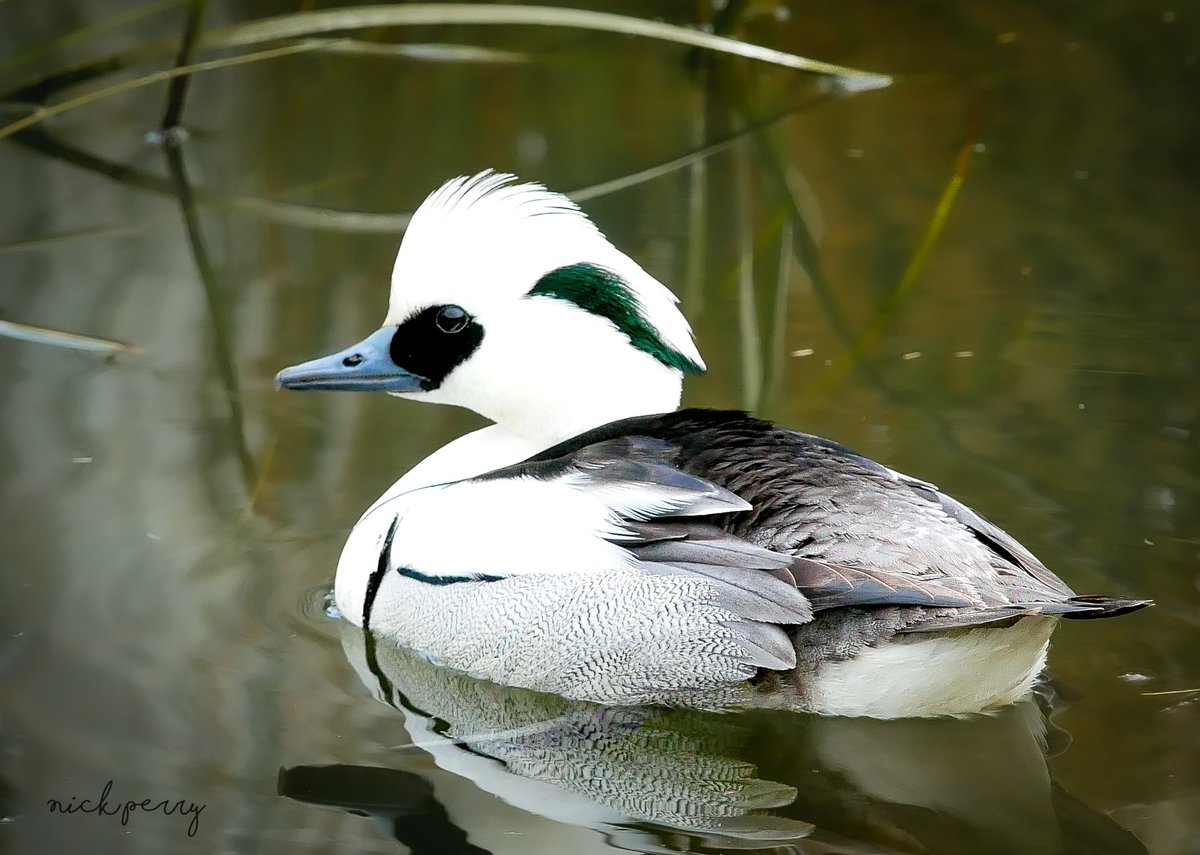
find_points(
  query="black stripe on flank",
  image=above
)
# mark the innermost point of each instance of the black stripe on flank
(445, 580)
(376, 579)
(393, 696)
(385, 685)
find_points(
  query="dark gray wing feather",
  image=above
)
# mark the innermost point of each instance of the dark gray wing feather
(764, 645)
(642, 465)
(990, 535)
(698, 547)
(830, 586)
(854, 534)
(694, 542)
(739, 571)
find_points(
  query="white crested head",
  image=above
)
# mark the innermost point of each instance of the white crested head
(563, 331)
(508, 301)
(487, 239)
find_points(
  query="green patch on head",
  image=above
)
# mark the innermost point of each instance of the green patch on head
(602, 292)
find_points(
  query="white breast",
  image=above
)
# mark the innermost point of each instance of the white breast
(477, 452)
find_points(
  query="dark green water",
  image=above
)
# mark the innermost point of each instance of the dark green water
(169, 523)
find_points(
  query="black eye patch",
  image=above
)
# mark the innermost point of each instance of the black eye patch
(434, 342)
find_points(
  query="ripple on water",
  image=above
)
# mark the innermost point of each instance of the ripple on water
(288, 596)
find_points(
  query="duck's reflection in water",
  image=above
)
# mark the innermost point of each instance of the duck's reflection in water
(653, 780)
(402, 802)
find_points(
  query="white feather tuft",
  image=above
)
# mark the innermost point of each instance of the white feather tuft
(501, 192)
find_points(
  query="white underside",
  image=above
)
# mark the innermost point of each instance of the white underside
(953, 674)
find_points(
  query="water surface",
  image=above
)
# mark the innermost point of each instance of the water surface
(170, 523)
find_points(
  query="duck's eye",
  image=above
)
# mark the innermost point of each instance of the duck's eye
(451, 319)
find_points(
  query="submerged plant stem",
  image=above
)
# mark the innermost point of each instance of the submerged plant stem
(776, 348)
(177, 91)
(222, 341)
(730, 16)
(748, 330)
(912, 271)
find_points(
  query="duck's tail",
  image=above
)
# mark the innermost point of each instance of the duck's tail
(1075, 608)
(1088, 607)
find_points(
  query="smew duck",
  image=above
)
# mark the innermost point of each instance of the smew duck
(596, 543)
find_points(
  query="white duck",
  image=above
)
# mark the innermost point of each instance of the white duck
(595, 544)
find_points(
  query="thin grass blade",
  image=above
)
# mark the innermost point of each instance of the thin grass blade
(53, 241)
(87, 33)
(418, 14)
(44, 113)
(421, 52)
(57, 338)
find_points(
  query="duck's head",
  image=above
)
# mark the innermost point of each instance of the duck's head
(507, 300)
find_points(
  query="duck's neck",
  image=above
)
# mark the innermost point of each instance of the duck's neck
(521, 431)
(548, 421)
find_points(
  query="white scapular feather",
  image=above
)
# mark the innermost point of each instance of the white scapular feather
(523, 525)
